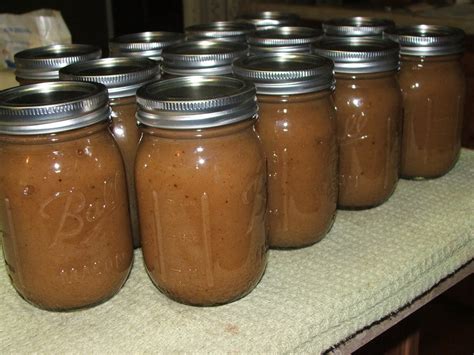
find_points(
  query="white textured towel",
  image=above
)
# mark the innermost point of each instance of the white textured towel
(371, 263)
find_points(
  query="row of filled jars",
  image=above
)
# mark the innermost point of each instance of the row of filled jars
(215, 185)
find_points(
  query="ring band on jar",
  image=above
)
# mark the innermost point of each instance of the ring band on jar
(268, 19)
(232, 31)
(36, 65)
(356, 27)
(63, 198)
(200, 175)
(297, 126)
(201, 58)
(433, 89)
(143, 44)
(283, 40)
(122, 77)
(369, 116)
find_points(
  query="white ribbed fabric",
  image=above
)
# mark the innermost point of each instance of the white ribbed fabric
(371, 263)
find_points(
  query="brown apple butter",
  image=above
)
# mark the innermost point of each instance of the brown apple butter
(297, 125)
(63, 205)
(369, 108)
(41, 64)
(433, 89)
(200, 176)
(122, 77)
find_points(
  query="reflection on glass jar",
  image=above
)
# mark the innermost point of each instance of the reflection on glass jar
(298, 135)
(369, 132)
(433, 88)
(433, 95)
(201, 189)
(122, 77)
(297, 125)
(369, 107)
(64, 211)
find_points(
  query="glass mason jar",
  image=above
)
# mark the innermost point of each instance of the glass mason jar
(369, 115)
(201, 58)
(37, 65)
(122, 77)
(433, 88)
(268, 19)
(63, 211)
(356, 27)
(143, 44)
(231, 31)
(200, 175)
(297, 125)
(283, 40)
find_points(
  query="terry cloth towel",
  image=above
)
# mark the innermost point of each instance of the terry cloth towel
(371, 264)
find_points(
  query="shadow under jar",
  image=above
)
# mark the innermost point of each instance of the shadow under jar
(283, 40)
(297, 125)
(369, 114)
(201, 58)
(37, 65)
(63, 210)
(200, 175)
(122, 77)
(433, 89)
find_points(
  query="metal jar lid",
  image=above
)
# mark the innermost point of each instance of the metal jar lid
(270, 19)
(43, 63)
(202, 57)
(427, 40)
(233, 31)
(358, 55)
(196, 102)
(286, 74)
(284, 39)
(122, 76)
(144, 44)
(356, 26)
(52, 107)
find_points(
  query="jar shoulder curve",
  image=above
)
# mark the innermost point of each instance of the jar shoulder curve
(193, 150)
(62, 154)
(366, 90)
(284, 112)
(430, 75)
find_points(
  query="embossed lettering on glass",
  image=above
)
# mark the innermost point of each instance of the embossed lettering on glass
(63, 200)
(368, 107)
(200, 175)
(297, 125)
(122, 77)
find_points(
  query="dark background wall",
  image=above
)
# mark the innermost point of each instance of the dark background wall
(90, 21)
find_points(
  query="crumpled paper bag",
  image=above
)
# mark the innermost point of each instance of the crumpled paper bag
(33, 29)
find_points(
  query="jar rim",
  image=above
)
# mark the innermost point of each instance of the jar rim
(196, 102)
(286, 73)
(52, 107)
(43, 63)
(121, 75)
